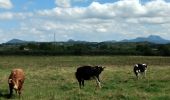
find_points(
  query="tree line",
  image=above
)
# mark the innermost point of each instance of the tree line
(86, 48)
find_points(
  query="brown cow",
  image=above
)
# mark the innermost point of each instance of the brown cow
(16, 80)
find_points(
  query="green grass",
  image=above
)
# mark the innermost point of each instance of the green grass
(52, 78)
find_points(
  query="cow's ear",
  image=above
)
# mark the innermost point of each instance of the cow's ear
(10, 81)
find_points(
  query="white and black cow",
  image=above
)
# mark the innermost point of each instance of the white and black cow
(87, 73)
(140, 69)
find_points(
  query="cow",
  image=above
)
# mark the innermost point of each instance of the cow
(15, 81)
(87, 73)
(140, 69)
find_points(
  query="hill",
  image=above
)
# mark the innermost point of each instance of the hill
(152, 39)
(15, 41)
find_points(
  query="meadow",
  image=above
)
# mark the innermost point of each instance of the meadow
(52, 78)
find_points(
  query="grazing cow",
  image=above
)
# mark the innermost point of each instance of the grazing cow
(15, 81)
(140, 68)
(87, 73)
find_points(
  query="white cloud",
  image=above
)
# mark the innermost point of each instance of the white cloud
(14, 16)
(6, 16)
(127, 8)
(158, 8)
(63, 3)
(128, 18)
(123, 9)
(5, 4)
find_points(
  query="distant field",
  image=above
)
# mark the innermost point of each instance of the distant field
(52, 78)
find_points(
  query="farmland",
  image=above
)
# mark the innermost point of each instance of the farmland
(52, 78)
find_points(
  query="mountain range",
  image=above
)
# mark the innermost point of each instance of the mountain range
(152, 39)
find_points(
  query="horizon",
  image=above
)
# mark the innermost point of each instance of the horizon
(83, 20)
(123, 40)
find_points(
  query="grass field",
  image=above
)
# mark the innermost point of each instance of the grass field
(52, 78)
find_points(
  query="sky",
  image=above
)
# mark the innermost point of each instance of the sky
(85, 20)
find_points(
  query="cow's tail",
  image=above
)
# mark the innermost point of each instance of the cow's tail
(77, 76)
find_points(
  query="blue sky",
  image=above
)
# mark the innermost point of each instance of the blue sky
(89, 20)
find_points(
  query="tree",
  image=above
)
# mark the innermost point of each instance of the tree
(164, 50)
(144, 49)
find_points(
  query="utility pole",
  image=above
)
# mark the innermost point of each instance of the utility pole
(54, 41)
(54, 37)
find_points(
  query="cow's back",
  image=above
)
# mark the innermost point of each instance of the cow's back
(141, 67)
(17, 74)
(84, 72)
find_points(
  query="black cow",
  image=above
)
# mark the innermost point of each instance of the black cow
(140, 68)
(87, 73)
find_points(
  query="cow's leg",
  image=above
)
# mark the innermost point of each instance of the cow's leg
(82, 82)
(98, 81)
(145, 73)
(79, 80)
(16, 91)
(137, 73)
(10, 90)
(19, 90)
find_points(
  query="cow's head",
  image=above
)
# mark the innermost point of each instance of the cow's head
(99, 68)
(145, 65)
(14, 82)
